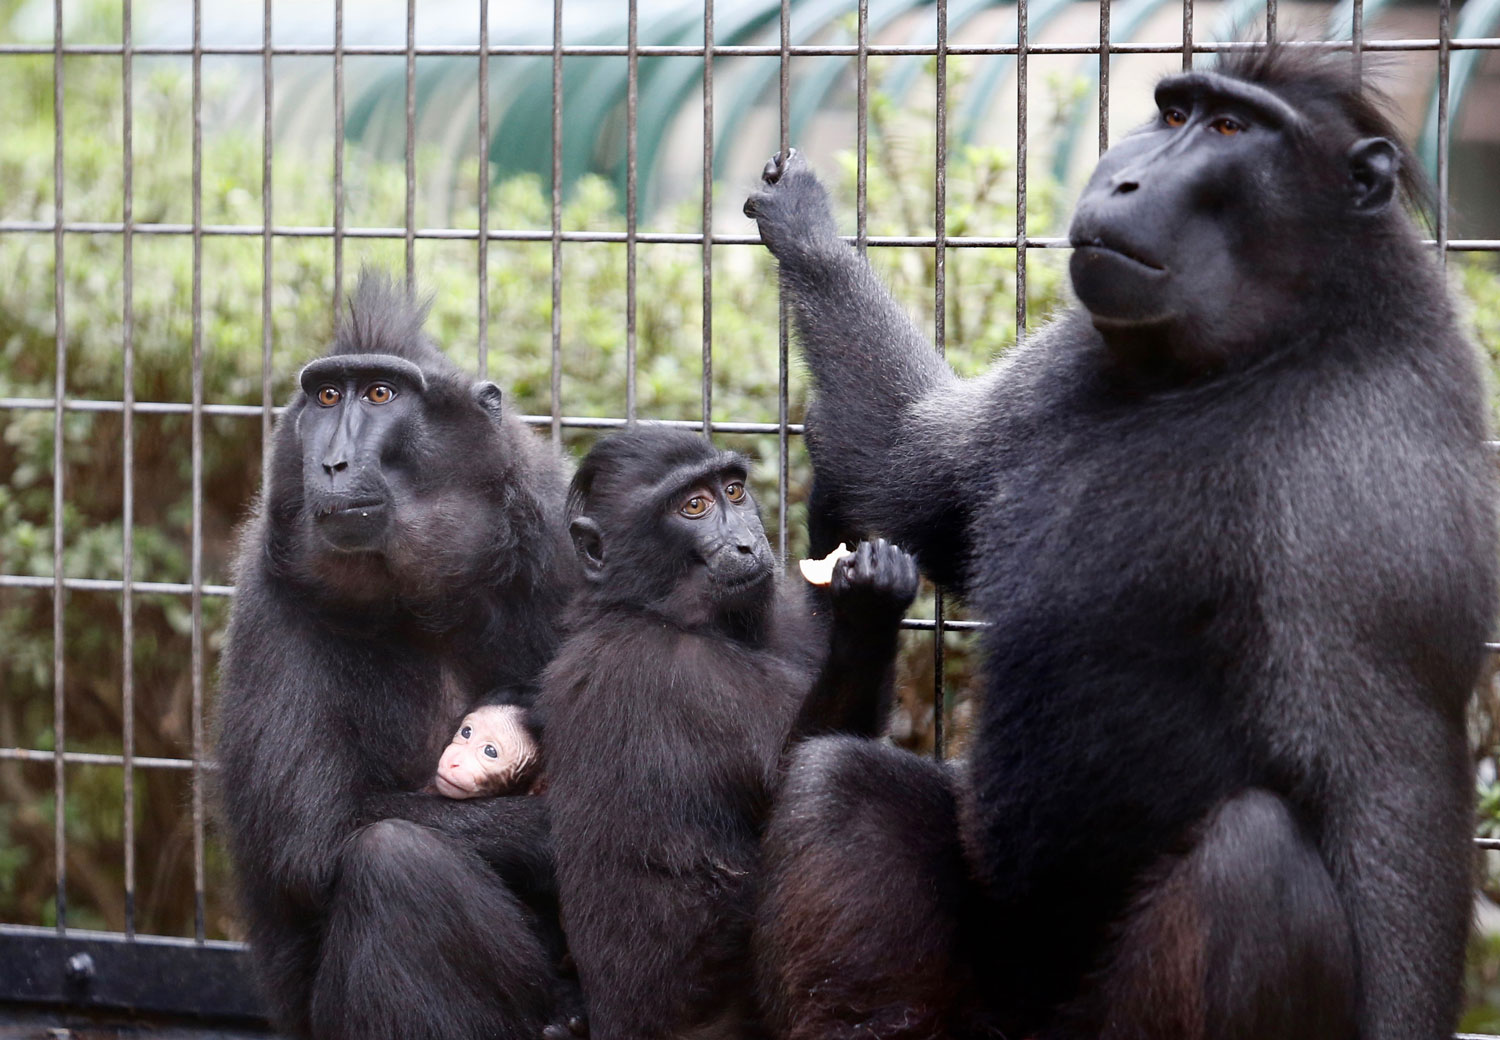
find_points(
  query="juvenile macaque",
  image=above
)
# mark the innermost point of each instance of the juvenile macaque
(492, 753)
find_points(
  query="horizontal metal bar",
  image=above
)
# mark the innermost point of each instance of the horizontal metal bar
(949, 625)
(683, 238)
(22, 931)
(583, 422)
(540, 50)
(166, 588)
(140, 407)
(37, 581)
(89, 758)
(576, 422)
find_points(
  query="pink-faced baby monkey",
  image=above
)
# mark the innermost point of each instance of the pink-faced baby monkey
(492, 753)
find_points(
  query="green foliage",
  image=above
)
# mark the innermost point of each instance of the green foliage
(1478, 283)
(1482, 983)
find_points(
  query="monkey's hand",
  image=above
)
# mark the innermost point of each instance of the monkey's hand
(791, 208)
(492, 753)
(876, 582)
(575, 1026)
(870, 590)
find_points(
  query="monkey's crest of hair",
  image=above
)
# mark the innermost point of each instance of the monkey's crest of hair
(1326, 83)
(381, 317)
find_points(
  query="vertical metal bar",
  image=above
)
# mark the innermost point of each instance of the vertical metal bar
(1021, 91)
(196, 564)
(1270, 21)
(1103, 76)
(557, 108)
(940, 326)
(267, 396)
(1445, 31)
(940, 186)
(338, 155)
(1187, 34)
(59, 283)
(127, 497)
(484, 188)
(708, 216)
(632, 105)
(782, 331)
(1359, 42)
(862, 129)
(411, 146)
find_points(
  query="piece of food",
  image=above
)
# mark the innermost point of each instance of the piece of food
(820, 572)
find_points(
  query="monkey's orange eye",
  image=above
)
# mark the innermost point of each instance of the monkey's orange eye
(1226, 126)
(329, 396)
(379, 394)
(695, 506)
(735, 492)
(1174, 117)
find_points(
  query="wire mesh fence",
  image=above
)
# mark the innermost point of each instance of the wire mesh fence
(61, 759)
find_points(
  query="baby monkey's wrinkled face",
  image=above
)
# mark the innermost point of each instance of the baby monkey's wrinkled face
(491, 752)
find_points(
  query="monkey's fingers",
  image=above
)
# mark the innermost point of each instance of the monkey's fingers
(777, 165)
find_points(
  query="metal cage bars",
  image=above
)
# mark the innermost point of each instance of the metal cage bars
(338, 232)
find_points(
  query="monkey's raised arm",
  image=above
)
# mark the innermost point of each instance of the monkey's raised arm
(886, 442)
(869, 592)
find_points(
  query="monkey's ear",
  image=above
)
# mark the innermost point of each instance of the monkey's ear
(489, 396)
(1373, 165)
(588, 543)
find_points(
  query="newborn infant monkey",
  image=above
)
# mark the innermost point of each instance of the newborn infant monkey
(492, 753)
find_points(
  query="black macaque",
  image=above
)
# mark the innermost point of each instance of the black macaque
(688, 670)
(407, 560)
(1233, 522)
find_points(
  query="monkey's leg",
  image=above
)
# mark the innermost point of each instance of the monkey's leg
(424, 942)
(864, 882)
(1241, 938)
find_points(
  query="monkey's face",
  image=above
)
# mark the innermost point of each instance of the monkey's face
(387, 488)
(490, 752)
(361, 413)
(1179, 237)
(673, 527)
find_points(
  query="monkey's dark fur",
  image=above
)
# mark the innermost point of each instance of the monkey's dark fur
(403, 563)
(688, 669)
(1233, 522)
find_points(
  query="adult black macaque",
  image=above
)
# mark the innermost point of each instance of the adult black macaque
(688, 669)
(1233, 522)
(406, 561)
